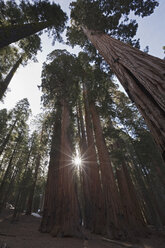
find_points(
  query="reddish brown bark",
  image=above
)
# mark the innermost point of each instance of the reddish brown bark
(49, 209)
(67, 213)
(142, 76)
(85, 173)
(98, 206)
(114, 213)
(130, 202)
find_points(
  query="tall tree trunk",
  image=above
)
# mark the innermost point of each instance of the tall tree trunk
(22, 192)
(32, 190)
(5, 83)
(31, 196)
(6, 140)
(116, 226)
(50, 202)
(130, 203)
(98, 205)
(6, 176)
(151, 212)
(159, 207)
(10, 187)
(67, 214)
(142, 76)
(85, 172)
(13, 33)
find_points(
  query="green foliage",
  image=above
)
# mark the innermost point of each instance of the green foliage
(30, 46)
(8, 56)
(60, 77)
(111, 17)
(3, 122)
(23, 154)
(26, 11)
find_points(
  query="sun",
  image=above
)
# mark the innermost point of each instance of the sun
(77, 161)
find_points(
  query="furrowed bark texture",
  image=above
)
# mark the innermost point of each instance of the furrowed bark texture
(114, 213)
(14, 33)
(85, 173)
(129, 201)
(142, 76)
(98, 221)
(67, 211)
(49, 210)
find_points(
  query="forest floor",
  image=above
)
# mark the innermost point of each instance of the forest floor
(24, 234)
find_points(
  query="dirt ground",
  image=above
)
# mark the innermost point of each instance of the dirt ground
(25, 234)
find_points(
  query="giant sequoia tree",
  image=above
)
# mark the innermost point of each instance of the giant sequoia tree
(141, 75)
(59, 84)
(18, 21)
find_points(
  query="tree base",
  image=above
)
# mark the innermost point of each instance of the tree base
(66, 232)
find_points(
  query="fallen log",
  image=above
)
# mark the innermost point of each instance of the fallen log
(7, 235)
(123, 244)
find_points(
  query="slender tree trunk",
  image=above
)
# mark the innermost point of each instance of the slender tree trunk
(50, 202)
(13, 33)
(79, 181)
(85, 173)
(5, 83)
(142, 76)
(31, 196)
(98, 221)
(130, 203)
(151, 212)
(22, 191)
(11, 185)
(67, 214)
(6, 140)
(154, 197)
(116, 226)
(6, 176)
(128, 194)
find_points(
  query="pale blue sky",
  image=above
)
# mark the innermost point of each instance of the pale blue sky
(151, 32)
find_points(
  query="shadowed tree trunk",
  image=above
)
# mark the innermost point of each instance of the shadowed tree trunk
(50, 202)
(142, 76)
(116, 226)
(7, 175)
(128, 193)
(32, 188)
(6, 140)
(158, 206)
(10, 34)
(23, 191)
(130, 202)
(150, 210)
(5, 83)
(98, 221)
(85, 172)
(67, 212)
